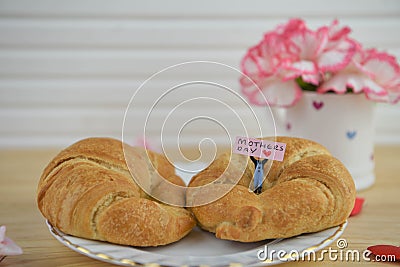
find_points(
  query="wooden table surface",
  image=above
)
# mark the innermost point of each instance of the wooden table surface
(379, 222)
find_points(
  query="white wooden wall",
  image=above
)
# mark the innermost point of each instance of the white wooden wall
(69, 68)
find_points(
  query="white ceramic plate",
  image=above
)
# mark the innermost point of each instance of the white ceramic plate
(199, 248)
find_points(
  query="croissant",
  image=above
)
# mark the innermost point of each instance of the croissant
(87, 191)
(308, 191)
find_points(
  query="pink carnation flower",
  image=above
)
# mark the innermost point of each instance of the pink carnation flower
(325, 58)
(7, 246)
(314, 52)
(264, 66)
(377, 74)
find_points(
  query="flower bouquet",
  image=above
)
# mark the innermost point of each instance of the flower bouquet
(293, 58)
(322, 80)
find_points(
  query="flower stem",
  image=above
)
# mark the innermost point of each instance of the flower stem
(306, 86)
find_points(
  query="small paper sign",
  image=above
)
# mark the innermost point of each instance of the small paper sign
(259, 148)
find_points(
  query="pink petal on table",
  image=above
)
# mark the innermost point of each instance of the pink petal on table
(358, 204)
(385, 250)
(2, 233)
(7, 246)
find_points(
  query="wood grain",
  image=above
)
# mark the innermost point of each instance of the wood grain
(379, 222)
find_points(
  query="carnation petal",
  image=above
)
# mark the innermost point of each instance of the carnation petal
(393, 98)
(311, 78)
(356, 82)
(371, 86)
(383, 68)
(334, 60)
(328, 54)
(272, 91)
(336, 33)
(2, 233)
(251, 91)
(387, 98)
(337, 84)
(307, 43)
(280, 93)
(292, 26)
(304, 67)
(249, 64)
(8, 247)
(376, 98)
(253, 63)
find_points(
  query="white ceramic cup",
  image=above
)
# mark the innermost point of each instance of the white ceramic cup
(342, 123)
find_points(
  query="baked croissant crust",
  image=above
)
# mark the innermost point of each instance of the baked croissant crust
(308, 191)
(88, 191)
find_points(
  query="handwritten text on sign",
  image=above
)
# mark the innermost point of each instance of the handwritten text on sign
(259, 148)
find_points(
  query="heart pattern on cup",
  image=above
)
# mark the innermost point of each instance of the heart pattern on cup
(318, 104)
(351, 134)
(288, 126)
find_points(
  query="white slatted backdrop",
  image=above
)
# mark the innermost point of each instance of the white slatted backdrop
(69, 68)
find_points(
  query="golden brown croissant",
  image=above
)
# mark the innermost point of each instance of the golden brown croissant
(88, 191)
(308, 191)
